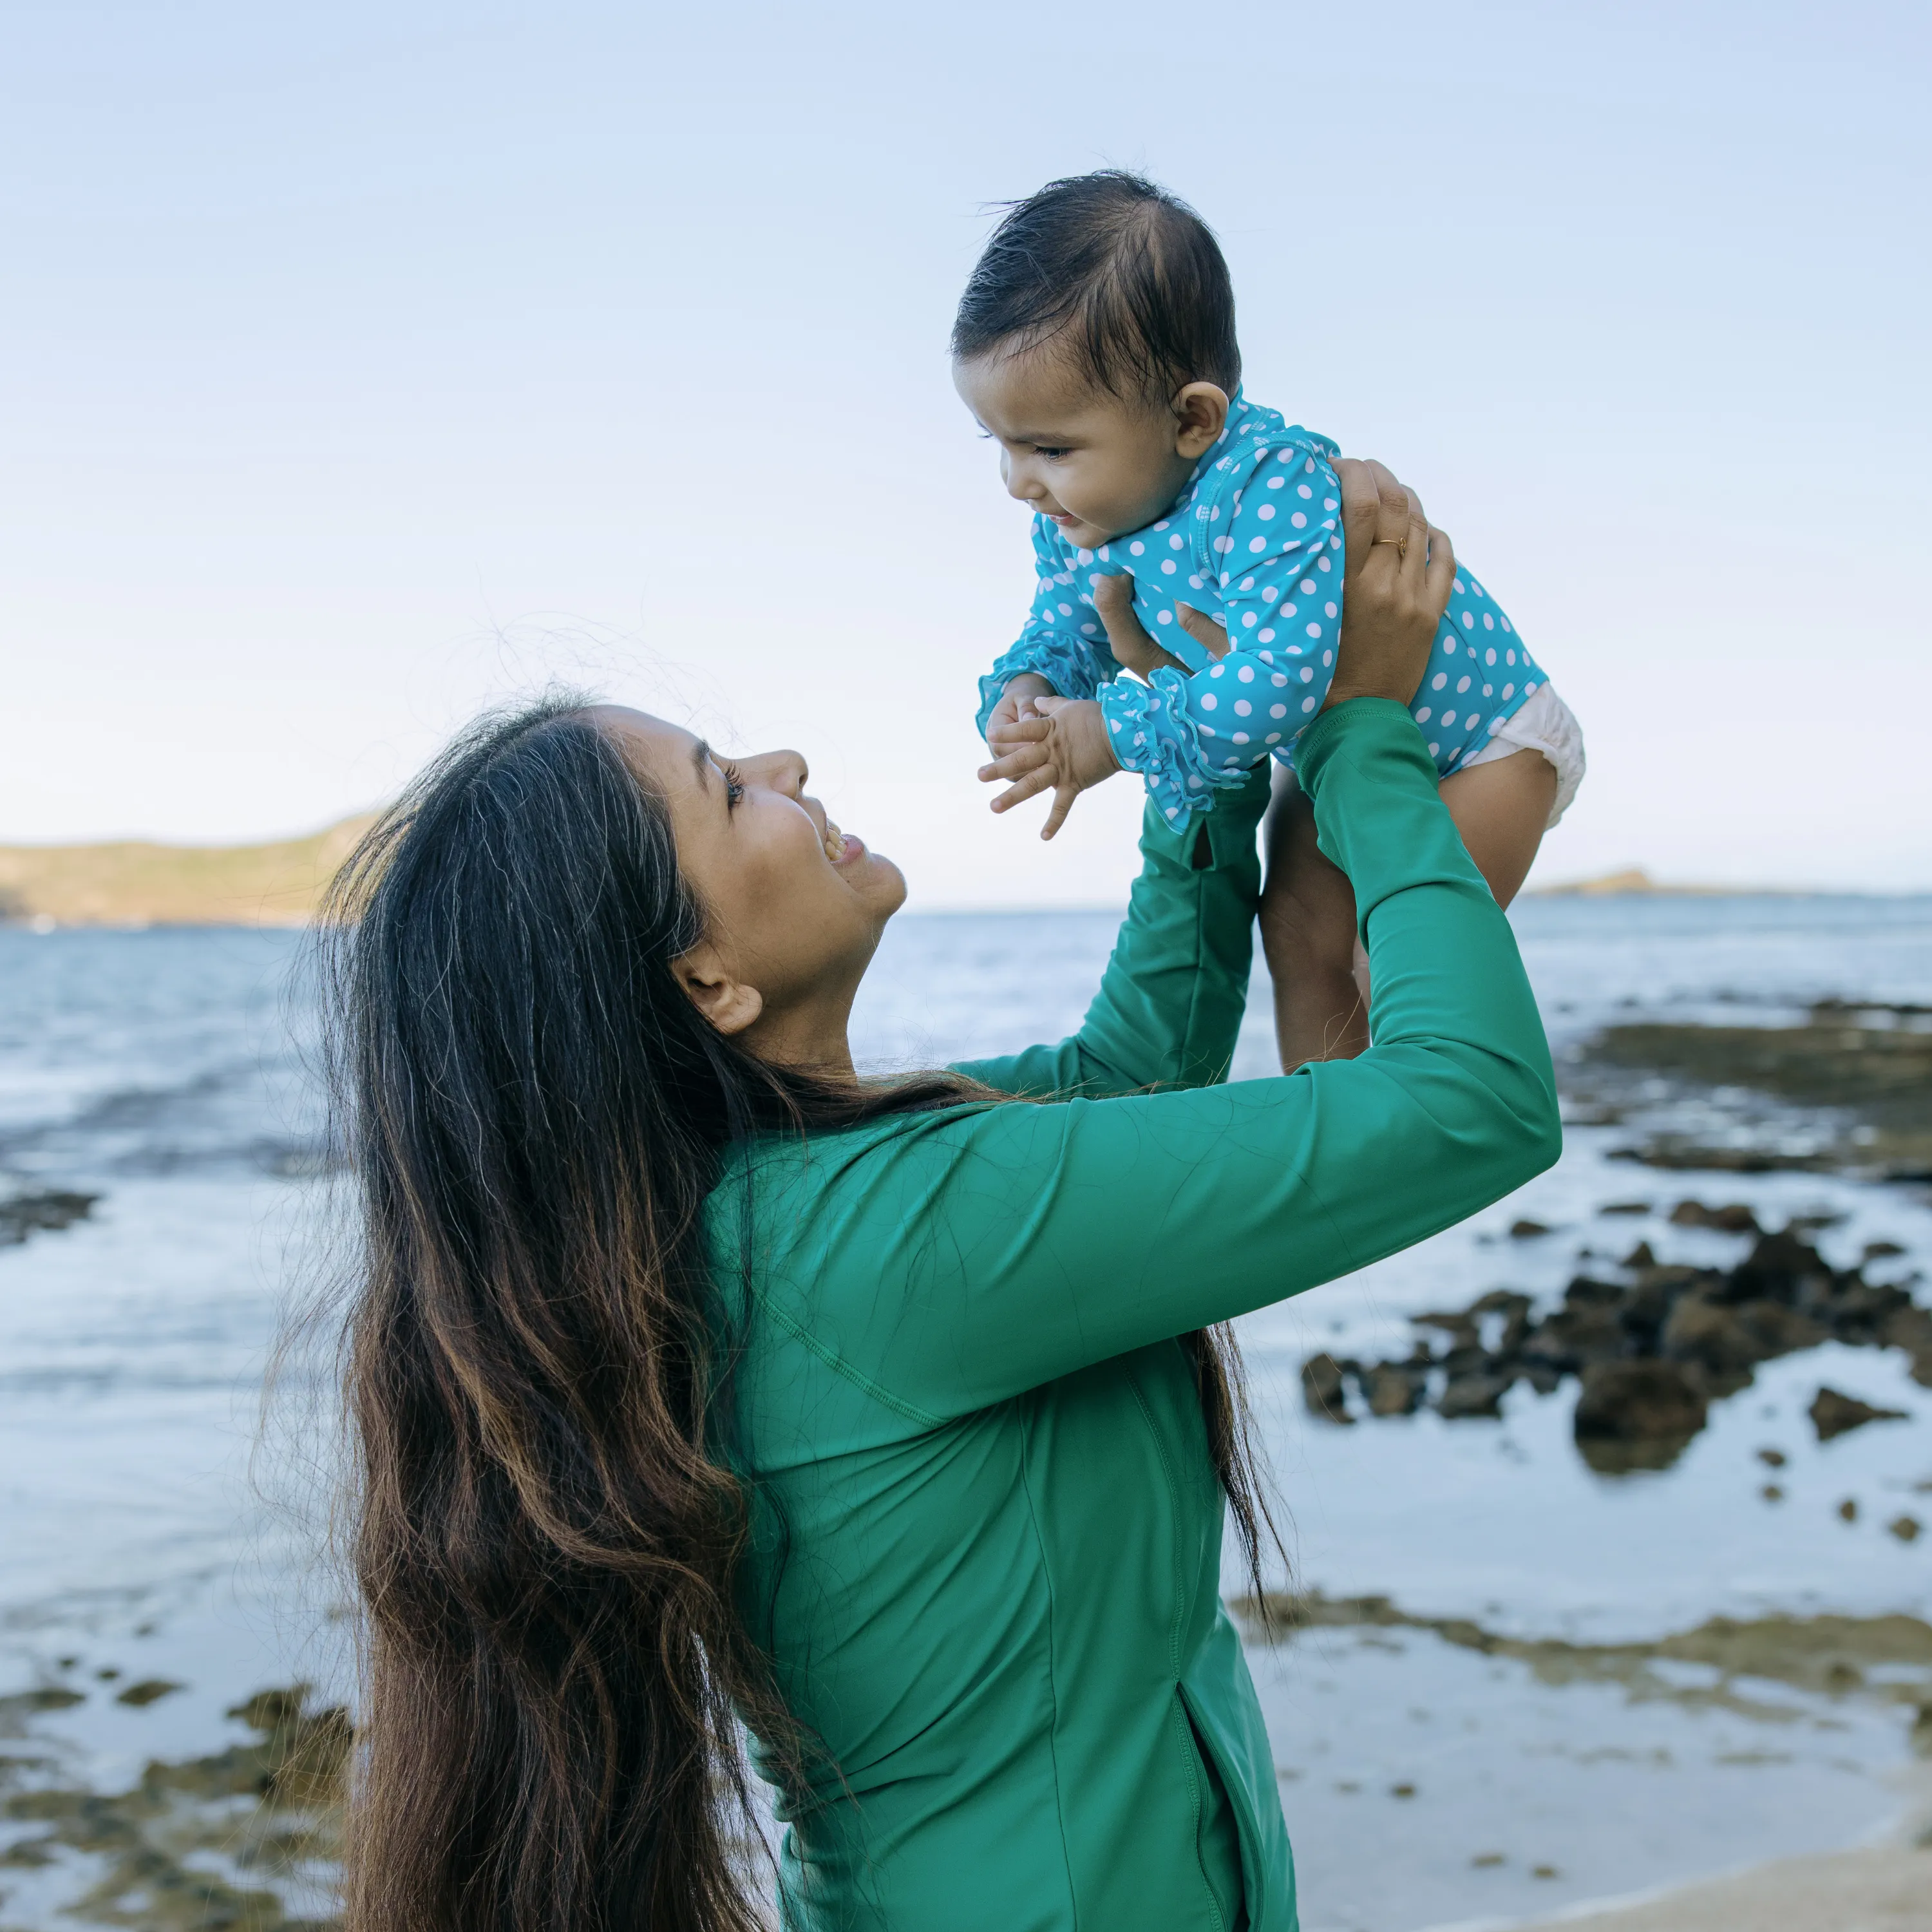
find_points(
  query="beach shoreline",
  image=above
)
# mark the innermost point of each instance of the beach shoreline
(1884, 1885)
(1874, 1888)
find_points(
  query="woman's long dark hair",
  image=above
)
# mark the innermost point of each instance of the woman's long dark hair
(546, 1523)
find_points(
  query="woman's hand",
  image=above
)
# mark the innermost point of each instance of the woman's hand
(1127, 636)
(1395, 589)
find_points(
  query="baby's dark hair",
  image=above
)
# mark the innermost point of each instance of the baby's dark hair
(1127, 273)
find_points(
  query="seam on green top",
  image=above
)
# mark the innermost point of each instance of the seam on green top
(837, 1364)
(1027, 1416)
(1177, 1718)
(1190, 1054)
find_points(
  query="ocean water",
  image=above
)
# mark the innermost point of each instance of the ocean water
(158, 1523)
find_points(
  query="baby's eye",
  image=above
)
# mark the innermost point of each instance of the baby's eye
(1052, 455)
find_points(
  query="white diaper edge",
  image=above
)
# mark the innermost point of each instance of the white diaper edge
(1543, 722)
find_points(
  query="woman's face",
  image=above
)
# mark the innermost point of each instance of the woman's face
(796, 906)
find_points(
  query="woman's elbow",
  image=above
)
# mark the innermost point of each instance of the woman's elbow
(1536, 1123)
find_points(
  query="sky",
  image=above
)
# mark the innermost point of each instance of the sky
(363, 365)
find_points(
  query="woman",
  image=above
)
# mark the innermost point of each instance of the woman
(695, 1380)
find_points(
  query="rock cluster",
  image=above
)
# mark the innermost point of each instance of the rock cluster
(229, 1843)
(1651, 1352)
(25, 1214)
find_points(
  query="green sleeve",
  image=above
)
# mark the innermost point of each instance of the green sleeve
(962, 1258)
(1170, 1001)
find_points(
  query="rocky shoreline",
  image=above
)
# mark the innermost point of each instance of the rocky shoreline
(1653, 1343)
(1651, 1351)
(236, 1841)
(1860, 1074)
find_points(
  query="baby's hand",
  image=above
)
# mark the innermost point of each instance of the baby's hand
(1065, 747)
(1015, 706)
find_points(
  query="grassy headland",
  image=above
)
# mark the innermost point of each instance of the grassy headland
(133, 883)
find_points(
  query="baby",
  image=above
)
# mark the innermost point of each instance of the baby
(1095, 343)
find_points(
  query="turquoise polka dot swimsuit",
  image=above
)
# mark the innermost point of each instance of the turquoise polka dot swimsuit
(1255, 543)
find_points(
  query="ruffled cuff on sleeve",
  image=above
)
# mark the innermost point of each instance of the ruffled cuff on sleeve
(1152, 733)
(1071, 672)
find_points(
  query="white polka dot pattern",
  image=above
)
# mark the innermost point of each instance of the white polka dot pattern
(1167, 730)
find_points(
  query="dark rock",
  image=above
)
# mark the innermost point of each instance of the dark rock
(1624, 1207)
(1394, 1388)
(1514, 1308)
(1772, 1493)
(1584, 1292)
(1849, 1509)
(1910, 1328)
(1832, 1414)
(1527, 1231)
(1679, 1158)
(1569, 1339)
(1705, 1333)
(1647, 1306)
(1772, 1459)
(1882, 1251)
(1476, 1394)
(1776, 1269)
(50, 1210)
(1775, 1329)
(1736, 1218)
(1321, 1388)
(1860, 1312)
(149, 1691)
(1639, 1257)
(1905, 1527)
(1637, 1415)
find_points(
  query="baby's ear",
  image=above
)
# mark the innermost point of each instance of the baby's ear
(1200, 416)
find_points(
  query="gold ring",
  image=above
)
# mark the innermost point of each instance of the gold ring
(1401, 544)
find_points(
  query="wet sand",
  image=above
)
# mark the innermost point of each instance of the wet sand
(1882, 1889)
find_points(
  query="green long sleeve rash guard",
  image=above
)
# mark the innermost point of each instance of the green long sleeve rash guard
(987, 1557)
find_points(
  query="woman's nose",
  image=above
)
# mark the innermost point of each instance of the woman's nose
(782, 771)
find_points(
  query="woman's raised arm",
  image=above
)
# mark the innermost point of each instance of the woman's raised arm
(1171, 1000)
(970, 1255)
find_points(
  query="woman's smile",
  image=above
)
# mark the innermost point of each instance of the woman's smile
(842, 847)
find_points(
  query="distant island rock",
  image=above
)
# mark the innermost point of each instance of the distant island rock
(134, 883)
(1634, 880)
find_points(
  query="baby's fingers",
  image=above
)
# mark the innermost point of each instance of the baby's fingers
(1033, 784)
(1015, 763)
(1063, 796)
(1002, 734)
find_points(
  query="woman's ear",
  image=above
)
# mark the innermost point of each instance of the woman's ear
(1200, 416)
(728, 1004)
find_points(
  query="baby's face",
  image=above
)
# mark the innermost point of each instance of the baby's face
(1096, 463)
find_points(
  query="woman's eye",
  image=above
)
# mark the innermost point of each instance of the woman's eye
(734, 787)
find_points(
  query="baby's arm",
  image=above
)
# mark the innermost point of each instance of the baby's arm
(1279, 583)
(1059, 652)
(1065, 744)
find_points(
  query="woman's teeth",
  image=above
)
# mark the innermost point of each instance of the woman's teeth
(835, 842)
